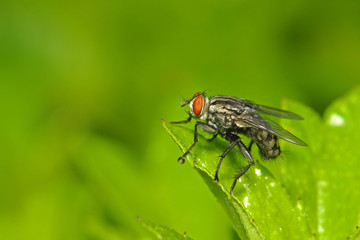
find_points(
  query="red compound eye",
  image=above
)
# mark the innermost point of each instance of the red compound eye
(198, 104)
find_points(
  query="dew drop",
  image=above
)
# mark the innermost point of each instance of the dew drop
(336, 120)
(246, 202)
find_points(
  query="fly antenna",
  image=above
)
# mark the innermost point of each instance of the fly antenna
(184, 103)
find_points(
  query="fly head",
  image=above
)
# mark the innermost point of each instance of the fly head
(199, 106)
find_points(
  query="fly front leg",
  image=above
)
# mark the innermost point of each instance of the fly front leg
(248, 156)
(205, 127)
(184, 121)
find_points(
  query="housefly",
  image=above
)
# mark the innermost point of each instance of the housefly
(230, 116)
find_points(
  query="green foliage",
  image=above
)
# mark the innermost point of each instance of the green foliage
(311, 192)
(162, 232)
(83, 85)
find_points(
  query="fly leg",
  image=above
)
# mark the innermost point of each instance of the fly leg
(213, 137)
(184, 121)
(204, 126)
(216, 178)
(248, 156)
(250, 145)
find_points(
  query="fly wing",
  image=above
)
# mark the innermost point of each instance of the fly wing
(257, 121)
(273, 111)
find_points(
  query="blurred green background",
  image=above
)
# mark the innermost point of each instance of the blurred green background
(84, 84)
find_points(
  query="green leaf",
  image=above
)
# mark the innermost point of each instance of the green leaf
(162, 232)
(309, 192)
(296, 167)
(339, 170)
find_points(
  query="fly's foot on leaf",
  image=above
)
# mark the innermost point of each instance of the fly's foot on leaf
(181, 159)
(216, 178)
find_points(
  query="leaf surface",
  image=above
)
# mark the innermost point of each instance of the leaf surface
(162, 232)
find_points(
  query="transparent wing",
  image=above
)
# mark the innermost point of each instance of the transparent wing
(257, 121)
(273, 111)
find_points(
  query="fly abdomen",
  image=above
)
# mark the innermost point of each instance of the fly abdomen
(268, 143)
